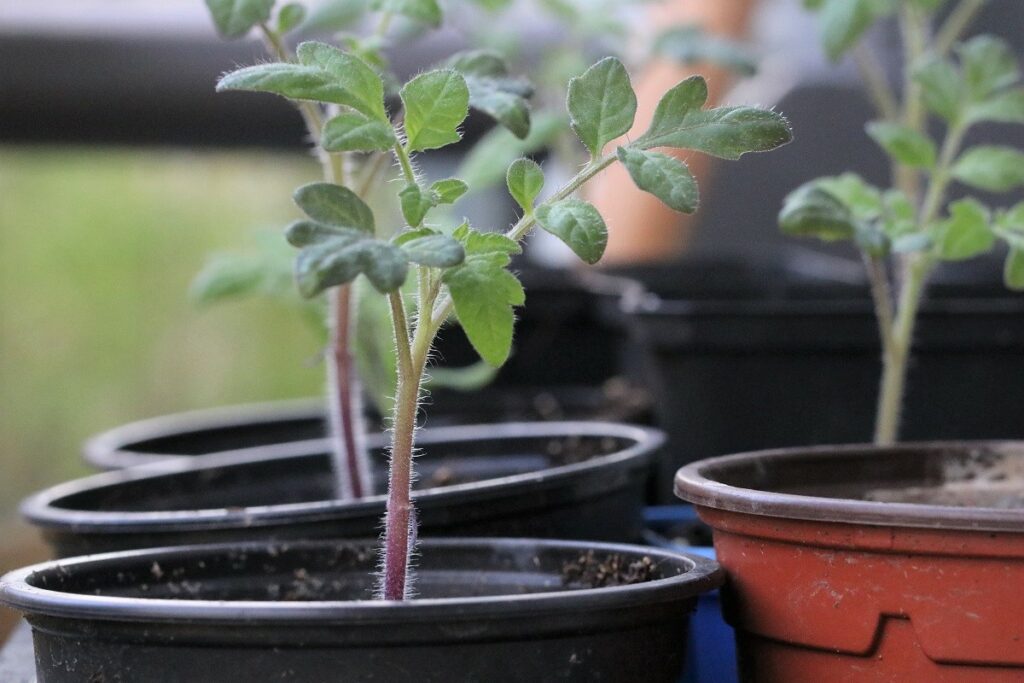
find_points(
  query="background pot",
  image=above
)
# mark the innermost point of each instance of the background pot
(233, 428)
(825, 584)
(489, 610)
(791, 348)
(583, 480)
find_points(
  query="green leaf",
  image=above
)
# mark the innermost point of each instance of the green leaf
(903, 144)
(415, 204)
(843, 22)
(436, 103)
(335, 15)
(436, 251)
(897, 215)
(989, 64)
(469, 378)
(1004, 107)
(353, 132)
(525, 180)
(691, 45)
(492, 91)
(942, 88)
(423, 11)
(234, 18)
(1013, 271)
(966, 233)
(227, 276)
(484, 293)
(323, 74)
(725, 132)
(290, 16)
(665, 177)
(864, 201)
(578, 224)
(810, 211)
(307, 233)
(487, 161)
(601, 104)
(448, 191)
(341, 259)
(476, 242)
(335, 205)
(991, 168)
(1009, 225)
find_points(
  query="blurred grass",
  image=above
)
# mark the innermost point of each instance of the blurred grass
(97, 248)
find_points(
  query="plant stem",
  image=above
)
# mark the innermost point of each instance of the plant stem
(894, 374)
(881, 293)
(398, 519)
(956, 23)
(914, 27)
(344, 393)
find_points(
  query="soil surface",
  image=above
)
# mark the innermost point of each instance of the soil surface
(593, 571)
(984, 478)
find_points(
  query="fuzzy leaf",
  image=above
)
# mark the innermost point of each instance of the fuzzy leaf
(484, 292)
(864, 201)
(966, 233)
(290, 16)
(903, 144)
(725, 132)
(353, 132)
(525, 180)
(476, 242)
(1013, 271)
(843, 22)
(234, 18)
(341, 259)
(423, 11)
(665, 177)
(810, 211)
(323, 74)
(493, 92)
(1004, 107)
(601, 104)
(415, 204)
(436, 251)
(448, 191)
(988, 65)
(436, 103)
(691, 45)
(335, 205)
(991, 168)
(307, 233)
(578, 224)
(942, 88)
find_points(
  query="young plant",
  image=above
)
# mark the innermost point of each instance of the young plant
(907, 230)
(464, 272)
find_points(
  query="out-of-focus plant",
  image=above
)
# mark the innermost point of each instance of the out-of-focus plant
(904, 232)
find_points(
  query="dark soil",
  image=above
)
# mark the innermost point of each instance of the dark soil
(590, 571)
(983, 478)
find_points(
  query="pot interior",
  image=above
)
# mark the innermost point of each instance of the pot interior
(310, 571)
(989, 475)
(308, 477)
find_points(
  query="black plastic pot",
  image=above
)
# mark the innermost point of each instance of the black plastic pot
(236, 427)
(487, 610)
(743, 356)
(580, 480)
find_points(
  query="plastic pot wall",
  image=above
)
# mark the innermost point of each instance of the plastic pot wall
(487, 610)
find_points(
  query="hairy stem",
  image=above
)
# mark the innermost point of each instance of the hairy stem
(344, 394)
(881, 294)
(894, 374)
(914, 28)
(956, 23)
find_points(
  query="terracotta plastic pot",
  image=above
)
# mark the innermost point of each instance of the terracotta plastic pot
(495, 610)
(828, 584)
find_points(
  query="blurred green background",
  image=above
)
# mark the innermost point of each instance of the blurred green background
(97, 249)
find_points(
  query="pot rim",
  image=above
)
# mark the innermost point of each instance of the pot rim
(41, 508)
(701, 575)
(694, 483)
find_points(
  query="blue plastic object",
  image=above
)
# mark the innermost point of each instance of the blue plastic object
(712, 647)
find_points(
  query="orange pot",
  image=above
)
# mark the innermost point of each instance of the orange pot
(825, 586)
